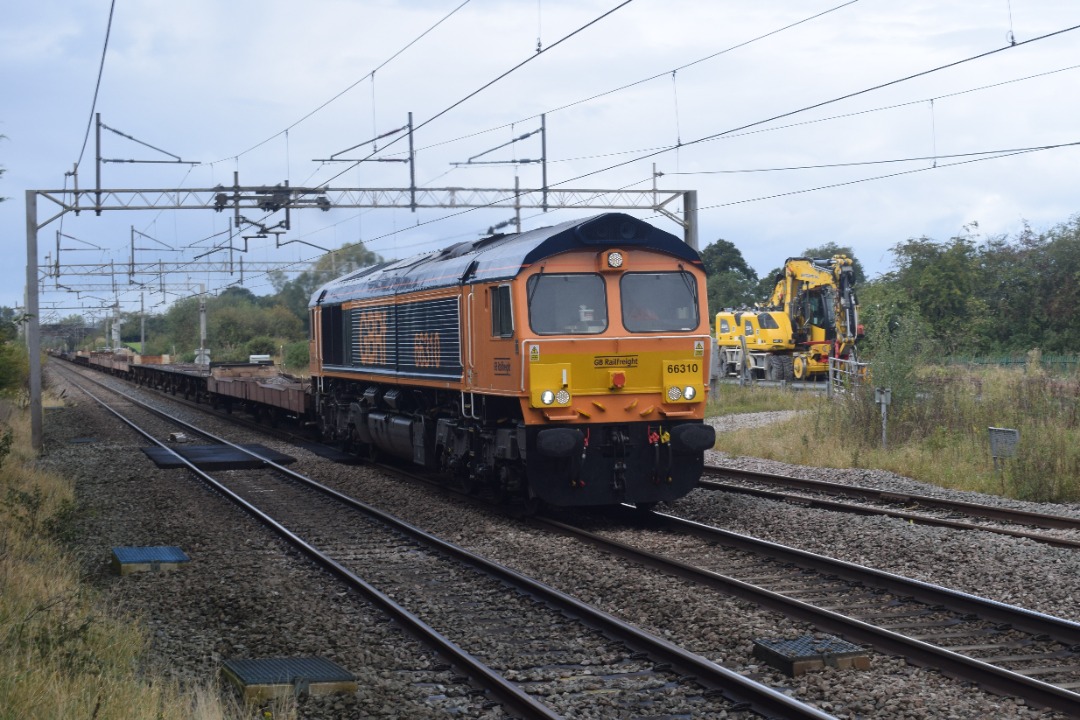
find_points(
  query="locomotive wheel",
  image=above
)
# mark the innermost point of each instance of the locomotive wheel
(501, 486)
(470, 484)
(530, 504)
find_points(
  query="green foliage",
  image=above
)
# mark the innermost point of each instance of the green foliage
(5, 446)
(296, 293)
(9, 328)
(731, 281)
(24, 507)
(261, 345)
(729, 289)
(240, 323)
(722, 257)
(14, 368)
(297, 355)
(992, 295)
(899, 352)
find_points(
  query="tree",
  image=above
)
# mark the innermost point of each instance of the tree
(722, 256)
(941, 279)
(730, 289)
(1056, 277)
(296, 293)
(730, 280)
(829, 249)
(9, 330)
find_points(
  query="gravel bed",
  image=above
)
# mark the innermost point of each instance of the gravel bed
(244, 595)
(1013, 570)
(258, 598)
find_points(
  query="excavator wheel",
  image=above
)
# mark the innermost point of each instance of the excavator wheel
(779, 368)
(801, 367)
(787, 368)
(773, 371)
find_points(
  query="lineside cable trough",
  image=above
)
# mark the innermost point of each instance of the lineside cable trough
(263, 679)
(127, 560)
(797, 656)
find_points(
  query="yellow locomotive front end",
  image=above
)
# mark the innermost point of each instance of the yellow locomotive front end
(614, 372)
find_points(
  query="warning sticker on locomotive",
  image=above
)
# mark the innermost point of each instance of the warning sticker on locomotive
(534, 353)
(615, 361)
(699, 348)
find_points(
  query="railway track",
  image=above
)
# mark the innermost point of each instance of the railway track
(536, 651)
(999, 647)
(905, 506)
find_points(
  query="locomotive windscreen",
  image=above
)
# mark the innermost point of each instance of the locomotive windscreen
(571, 304)
(659, 302)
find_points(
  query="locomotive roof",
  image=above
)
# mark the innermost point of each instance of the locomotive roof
(498, 257)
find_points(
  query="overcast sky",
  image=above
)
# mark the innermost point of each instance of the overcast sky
(755, 94)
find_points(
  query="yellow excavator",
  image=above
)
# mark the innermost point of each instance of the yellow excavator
(812, 315)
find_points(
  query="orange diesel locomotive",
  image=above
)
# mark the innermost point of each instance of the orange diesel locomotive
(566, 365)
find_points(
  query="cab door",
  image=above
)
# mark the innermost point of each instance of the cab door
(497, 359)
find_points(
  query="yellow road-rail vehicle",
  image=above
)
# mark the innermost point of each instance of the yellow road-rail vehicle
(566, 365)
(812, 315)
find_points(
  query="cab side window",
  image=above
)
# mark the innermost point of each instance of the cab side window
(502, 319)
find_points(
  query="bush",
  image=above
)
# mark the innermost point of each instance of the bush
(261, 345)
(14, 368)
(297, 355)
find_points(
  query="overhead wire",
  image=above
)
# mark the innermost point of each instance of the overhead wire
(642, 81)
(830, 101)
(777, 128)
(1009, 153)
(488, 84)
(371, 74)
(862, 163)
(732, 131)
(784, 115)
(797, 111)
(97, 85)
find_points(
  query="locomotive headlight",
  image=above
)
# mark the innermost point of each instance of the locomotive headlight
(547, 397)
(615, 260)
(562, 397)
(689, 392)
(674, 393)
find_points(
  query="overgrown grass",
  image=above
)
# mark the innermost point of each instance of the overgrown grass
(63, 655)
(730, 399)
(938, 432)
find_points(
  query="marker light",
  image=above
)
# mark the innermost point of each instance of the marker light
(562, 397)
(674, 393)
